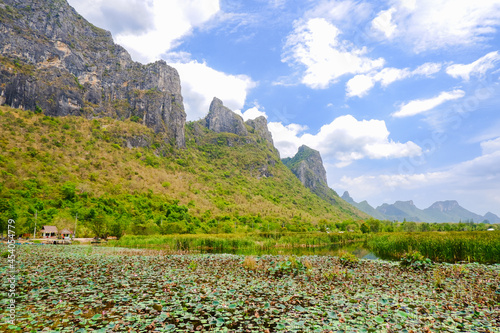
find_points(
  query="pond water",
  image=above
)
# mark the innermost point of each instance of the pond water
(331, 250)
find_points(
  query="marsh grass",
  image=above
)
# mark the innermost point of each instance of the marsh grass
(472, 246)
(235, 242)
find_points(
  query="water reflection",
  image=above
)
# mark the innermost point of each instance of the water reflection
(329, 250)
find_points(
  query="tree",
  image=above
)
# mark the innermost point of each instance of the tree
(365, 228)
(425, 226)
(98, 225)
(69, 191)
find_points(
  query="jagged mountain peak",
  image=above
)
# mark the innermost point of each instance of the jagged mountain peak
(307, 165)
(221, 119)
(445, 206)
(492, 218)
(347, 198)
(405, 203)
(260, 128)
(308, 159)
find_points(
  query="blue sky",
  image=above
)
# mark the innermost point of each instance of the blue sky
(401, 97)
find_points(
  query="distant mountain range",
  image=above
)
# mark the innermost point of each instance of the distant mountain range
(441, 211)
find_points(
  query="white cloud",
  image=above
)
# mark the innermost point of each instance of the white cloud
(340, 12)
(427, 69)
(415, 107)
(251, 113)
(490, 146)
(478, 67)
(344, 140)
(201, 83)
(315, 45)
(172, 20)
(286, 138)
(383, 23)
(361, 84)
(434, 24)
(390, 75)
(117, 16)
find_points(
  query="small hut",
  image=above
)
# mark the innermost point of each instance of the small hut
(66, 233)
(49, 231)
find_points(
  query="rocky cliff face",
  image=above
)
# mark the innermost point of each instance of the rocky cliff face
(260, 128)
(221, 119)
(53, 61)
(307, 165)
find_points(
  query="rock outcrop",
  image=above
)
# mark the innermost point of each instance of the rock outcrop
(260, 128)
(221, 119)
(53, 61)
(307, 165)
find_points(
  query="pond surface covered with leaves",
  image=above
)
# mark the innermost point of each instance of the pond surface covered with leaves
(84, 289)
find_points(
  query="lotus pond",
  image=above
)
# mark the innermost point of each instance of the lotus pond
(96, 289)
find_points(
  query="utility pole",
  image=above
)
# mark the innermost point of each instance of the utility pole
(34, 231)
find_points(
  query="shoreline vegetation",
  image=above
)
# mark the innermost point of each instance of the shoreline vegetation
(474, 246)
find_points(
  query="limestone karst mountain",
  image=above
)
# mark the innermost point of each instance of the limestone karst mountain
(93, 133)
(53, 61)
(440, 211)
(307, 166)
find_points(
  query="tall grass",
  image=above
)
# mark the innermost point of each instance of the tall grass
(473, 246)
(230, 242)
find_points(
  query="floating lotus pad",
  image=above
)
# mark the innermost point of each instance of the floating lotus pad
(72, 289)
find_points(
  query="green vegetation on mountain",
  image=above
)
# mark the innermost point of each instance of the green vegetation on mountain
(58, 168)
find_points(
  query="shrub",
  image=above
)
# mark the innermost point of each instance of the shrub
(291, 266)
(193, 265)
(347, 259)
(438, 279)
(250, 263)
(415, 260)
(135, 119)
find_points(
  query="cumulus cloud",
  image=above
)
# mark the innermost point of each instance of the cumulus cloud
(117, 16)
(418, 106)
(478, 67)
(490, 146)
(201, 83)
(172, 20)
(252, 113)
(148, 29)
(361, 84)
(384, 24)
(344, 140)
(315, 45)
(434, 24)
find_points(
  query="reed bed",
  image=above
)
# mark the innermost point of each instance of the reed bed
(231, 242)
(473, 246)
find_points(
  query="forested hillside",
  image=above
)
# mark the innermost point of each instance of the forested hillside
(120, 177)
